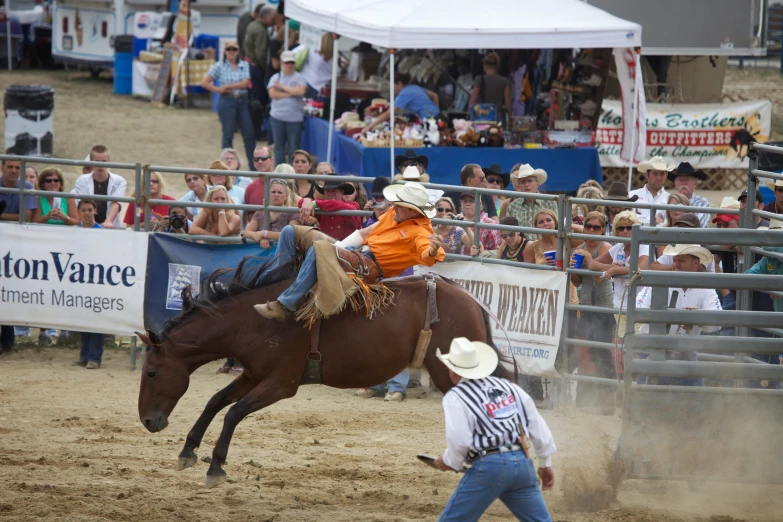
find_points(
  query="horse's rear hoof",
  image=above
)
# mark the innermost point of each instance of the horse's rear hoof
(215, 479)
(187, 461)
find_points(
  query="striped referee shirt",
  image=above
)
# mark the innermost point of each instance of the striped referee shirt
(482, 414)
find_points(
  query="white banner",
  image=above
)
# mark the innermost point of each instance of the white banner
(629, 74)
(529, 303)
(700, 134)
(72, 278)
(310, 37)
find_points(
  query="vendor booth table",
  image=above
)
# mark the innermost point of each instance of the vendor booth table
(567, 168)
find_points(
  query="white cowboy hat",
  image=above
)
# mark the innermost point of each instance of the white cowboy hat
(472, 360)
(411, 173)
(704, 255)
(730, 202)
(772, 183)
(525, 171)
(774, 224)
(655, 163)
(412, 195)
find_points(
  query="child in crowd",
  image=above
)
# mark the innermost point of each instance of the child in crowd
(91, 353)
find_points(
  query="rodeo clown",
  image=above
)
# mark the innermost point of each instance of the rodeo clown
(489, 425)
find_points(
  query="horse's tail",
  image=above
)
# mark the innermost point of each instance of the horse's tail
(504, 360)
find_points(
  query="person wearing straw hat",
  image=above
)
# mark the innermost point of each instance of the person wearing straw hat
(402, 237)
(412, 173)
(776, 207)
(656, 170)
(687, 258)
(489, 423)
(685, 179)
(527, 179)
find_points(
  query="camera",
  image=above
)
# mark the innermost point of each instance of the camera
(177, 221)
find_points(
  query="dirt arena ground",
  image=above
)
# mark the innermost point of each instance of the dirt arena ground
(72, 447)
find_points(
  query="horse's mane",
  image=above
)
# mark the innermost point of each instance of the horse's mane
(224, 283)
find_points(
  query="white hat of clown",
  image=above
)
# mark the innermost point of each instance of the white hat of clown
(412, 195)
(704, 255)
(655, 163)
(526, 171)
(469, 359)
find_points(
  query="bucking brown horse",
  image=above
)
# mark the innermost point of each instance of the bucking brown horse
(357, 352)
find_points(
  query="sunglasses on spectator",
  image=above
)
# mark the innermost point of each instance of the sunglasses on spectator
(52, 180)
(598, 227)
(155, 181)
(495, 181)
(191, 180)
(231, 49)
(278, 180)
(505, 235)
(444, 209)
(378, 198)
(261, 158)
(624, 228)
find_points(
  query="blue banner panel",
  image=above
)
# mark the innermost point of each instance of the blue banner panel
(173, 264)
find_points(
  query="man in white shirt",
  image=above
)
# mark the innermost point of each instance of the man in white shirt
(656, 170)
(489, 424)
(685, 179)
(102, 182)
(687, 258)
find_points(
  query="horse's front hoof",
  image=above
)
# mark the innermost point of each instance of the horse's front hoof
(186, 461)
(215, 478)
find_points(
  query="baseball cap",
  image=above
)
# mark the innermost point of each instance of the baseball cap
(287, 56)
(759, 195)
(725, 218)
(688, 220)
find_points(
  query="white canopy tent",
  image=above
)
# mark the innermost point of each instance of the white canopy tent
(463, 24)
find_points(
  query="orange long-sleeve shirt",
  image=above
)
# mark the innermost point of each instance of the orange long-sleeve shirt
(398, 246)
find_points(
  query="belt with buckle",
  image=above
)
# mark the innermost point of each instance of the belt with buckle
(365, 251)
(491, 451)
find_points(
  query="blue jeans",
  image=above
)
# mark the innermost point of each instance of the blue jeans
(398, 383)
(235, 112)
(287, 137)
(307, 276)
(507, 476)
(24, 330)
(92, 347)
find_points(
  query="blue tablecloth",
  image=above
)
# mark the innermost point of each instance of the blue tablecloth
(567, 168)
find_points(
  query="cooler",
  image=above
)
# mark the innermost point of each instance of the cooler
(29, 122)
(123, 64)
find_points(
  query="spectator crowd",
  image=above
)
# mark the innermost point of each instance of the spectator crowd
(606, 219)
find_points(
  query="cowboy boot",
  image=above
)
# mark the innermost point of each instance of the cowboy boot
(273, 310)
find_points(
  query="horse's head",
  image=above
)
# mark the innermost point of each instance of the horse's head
(164, 380)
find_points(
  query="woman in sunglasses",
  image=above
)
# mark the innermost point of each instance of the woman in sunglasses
(616, 262)
(590, 325)
(513, 245)
(454, 238)
(233, 78)
(53, 210)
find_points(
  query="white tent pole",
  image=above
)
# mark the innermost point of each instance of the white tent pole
(392, 119)
(332, 100)
(285, 34)
(635, 113)
(8, 31)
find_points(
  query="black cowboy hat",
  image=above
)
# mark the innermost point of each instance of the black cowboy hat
(378, 184)
(497, 171)
(618, 191)
(346, 187)
(409, 155)
(686, 169)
